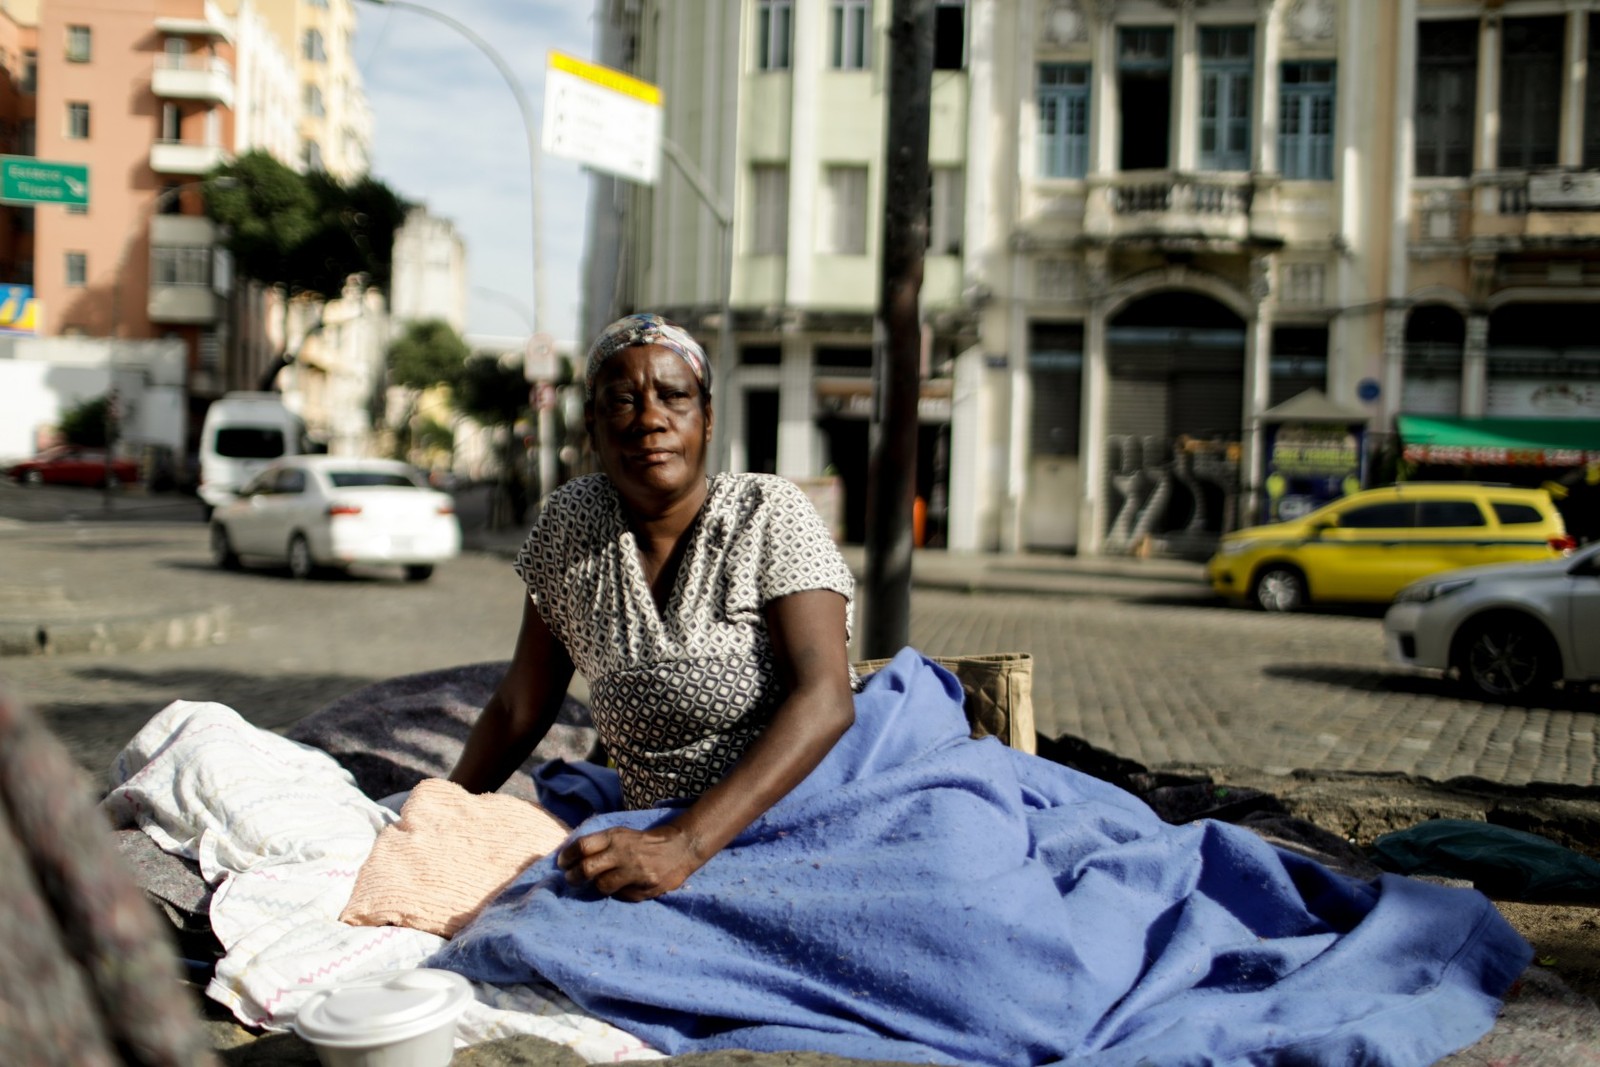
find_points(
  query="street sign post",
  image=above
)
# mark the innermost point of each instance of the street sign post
(602, 118)
(25, 180)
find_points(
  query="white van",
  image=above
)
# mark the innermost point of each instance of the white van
(242, 433)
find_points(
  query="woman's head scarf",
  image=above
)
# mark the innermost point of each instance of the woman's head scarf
(631, 331)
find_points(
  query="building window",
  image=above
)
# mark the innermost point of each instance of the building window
(77, 121)
(1302, 284)
(77, 270)
(79, 44)
(313, 101)
(949, 34)
(844, 211)
(947, 212)
(1144, 83)
(1305, 121)
(171, 123)
(27, 137)
(761, 355)
(311, 156)
(1531, 72)
(851, 31)
(1226, 77)
(312, 48)
(29, 83)
(169, 199)
(770, 230)
(1055, 367)
(1591, 109)
(189, 266)
(1063, 120)
(177, 51)
(1447, 82)
(1056, 278)
(1299, 362)
(774, 34)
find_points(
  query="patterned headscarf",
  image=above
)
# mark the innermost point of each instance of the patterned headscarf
(631, 331)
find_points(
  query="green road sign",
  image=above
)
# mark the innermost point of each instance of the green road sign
(25, 180)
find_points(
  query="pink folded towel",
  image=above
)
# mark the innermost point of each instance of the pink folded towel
(449, 855)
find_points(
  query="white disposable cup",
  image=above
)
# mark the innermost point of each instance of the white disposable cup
(394, 1019)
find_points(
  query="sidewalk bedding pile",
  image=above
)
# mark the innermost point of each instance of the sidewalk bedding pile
(920, 897)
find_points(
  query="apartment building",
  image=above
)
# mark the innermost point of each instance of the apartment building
(151, 96)
(778, 109)
(1154, 224)
(334, 124)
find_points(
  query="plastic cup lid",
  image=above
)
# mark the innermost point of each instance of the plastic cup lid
(383, 1008)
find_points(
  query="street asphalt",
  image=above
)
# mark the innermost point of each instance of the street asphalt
(109, 609)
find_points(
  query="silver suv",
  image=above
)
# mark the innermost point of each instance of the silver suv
(1508, 631)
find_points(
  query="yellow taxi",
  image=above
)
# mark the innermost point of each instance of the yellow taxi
(1368, 545)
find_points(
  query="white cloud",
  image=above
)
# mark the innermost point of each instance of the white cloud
(448, 133)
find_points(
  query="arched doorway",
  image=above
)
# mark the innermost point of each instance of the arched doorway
(1174, 413)
(1544, 362)
(1436, 337)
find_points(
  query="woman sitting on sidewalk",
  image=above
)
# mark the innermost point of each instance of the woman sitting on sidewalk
(786, 863)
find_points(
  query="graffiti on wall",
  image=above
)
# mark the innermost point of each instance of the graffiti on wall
(1173, 497)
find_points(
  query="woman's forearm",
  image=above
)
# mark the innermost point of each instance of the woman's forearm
(804, 730)
(499, 743)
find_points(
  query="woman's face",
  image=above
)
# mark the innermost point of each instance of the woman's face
(650, 423)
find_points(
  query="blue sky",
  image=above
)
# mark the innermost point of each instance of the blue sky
(447, 132)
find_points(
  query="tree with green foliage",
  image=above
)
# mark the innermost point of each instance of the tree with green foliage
(495, 395)
(428, 354)
(304, 235)
(86, 424)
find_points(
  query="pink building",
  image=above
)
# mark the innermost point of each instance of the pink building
(142, 92)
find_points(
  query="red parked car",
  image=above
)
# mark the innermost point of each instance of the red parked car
(71, 465)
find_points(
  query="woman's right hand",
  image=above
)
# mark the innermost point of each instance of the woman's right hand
(632, 865)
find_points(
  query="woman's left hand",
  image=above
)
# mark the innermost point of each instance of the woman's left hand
(631, 865)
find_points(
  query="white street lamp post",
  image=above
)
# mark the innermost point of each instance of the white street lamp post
(529, 125)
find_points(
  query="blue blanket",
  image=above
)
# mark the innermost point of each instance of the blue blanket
(926, 897)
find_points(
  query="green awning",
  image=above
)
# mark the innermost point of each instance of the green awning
(1499, 442)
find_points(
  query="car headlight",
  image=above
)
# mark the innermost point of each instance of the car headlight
(1233, 548)
(1423, 592)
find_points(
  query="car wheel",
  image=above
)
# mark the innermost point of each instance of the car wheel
(110, 481)
(301, 564)
(1506, 657)
(1279, 587)
(222, 553)
(419, 572)
(34, 478)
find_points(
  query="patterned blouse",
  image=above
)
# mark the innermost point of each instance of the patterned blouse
(678, 695)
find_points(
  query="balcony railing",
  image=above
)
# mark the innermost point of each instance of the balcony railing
(1562, 190)
(191, 76)
(176, 157)
(1182, 195)
(1508, 206)
(1170, 206)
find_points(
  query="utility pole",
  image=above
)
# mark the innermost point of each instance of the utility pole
(897, 362)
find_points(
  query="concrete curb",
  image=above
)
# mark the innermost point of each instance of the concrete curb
(140, 633)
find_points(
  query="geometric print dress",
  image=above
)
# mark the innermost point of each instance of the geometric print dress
(677, 695)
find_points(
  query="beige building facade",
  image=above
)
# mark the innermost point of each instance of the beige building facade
(1152, 223)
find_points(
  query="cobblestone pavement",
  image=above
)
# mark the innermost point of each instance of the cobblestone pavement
(1142, 663)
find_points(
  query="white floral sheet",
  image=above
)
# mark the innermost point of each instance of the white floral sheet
(279, 831)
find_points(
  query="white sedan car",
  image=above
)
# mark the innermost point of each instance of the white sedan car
(1508, 631)
(311, 512)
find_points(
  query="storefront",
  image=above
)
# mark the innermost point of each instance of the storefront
(1563, 455)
